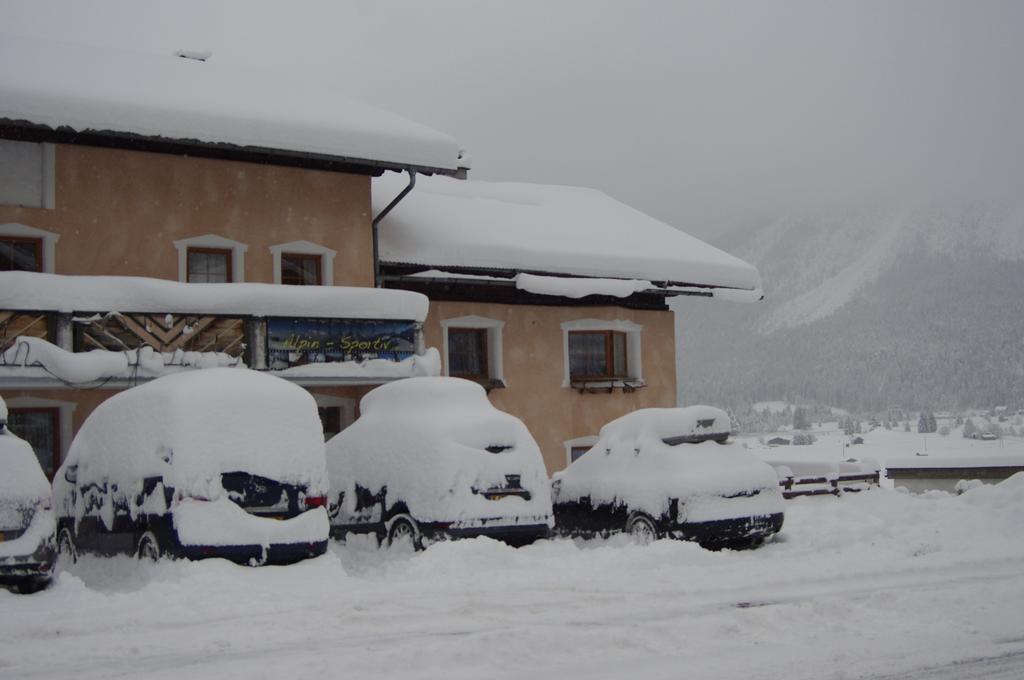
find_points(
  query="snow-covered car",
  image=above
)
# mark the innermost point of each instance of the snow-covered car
(670, 473)
(218, 462)
(27, 553)
(431, 458)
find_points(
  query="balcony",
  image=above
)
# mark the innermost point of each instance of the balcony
(94, 331)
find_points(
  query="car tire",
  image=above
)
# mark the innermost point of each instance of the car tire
(641, 528)
(66, 546)
(403, 532)
(148, 548)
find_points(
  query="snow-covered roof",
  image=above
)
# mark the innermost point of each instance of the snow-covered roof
(190, 102)
(54, 292)
(545, 229)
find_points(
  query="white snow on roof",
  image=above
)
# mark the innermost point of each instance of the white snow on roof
(54, 292)
(556, 229)
(99, 89)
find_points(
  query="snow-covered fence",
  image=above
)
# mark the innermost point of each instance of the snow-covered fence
(799, 478)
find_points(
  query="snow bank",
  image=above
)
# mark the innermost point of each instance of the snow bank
(632, 464)
(99, 89)
(557, 229)
(426, 440)
(53, 292)
(192, 427)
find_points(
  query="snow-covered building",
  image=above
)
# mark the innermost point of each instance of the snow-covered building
(553, 297)
(150, 208)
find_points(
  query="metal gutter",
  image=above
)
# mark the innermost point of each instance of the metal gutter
(377, 279)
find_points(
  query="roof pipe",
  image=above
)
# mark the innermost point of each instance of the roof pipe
(377, 279)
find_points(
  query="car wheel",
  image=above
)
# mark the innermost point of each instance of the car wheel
(66, 546)
(642, 529)
(149, 547)
(404, 534)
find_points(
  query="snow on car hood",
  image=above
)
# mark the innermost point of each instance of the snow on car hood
(426, 440)
(632, 464)
(191, 427)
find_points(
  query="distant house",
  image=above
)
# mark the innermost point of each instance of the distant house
(857, 440)
(778, 441)
(932, 473)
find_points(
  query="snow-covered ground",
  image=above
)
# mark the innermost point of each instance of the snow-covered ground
(876, 584)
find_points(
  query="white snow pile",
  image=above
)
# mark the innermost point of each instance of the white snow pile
(426, 440)
(98, 364)
(426, 364)
(95, 89)
(631, 463)
(556, 229)
(190, 428)
(54, 292)
(575, 287)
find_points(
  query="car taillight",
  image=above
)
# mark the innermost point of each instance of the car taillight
(316, 501)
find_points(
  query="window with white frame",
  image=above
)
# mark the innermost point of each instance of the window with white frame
(45, 424)
(601, 351)
(473, 349)
(211, 259)
(336, 413)
(303, 263)
(26, 174)
(575, 448)
(24, 248)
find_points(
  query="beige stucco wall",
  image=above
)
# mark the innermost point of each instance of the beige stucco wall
(119, 212)
(534, 369)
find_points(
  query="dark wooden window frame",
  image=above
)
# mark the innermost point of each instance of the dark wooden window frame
(54, 414)
(609, 356)
(319, 259)
(228, 254)
(482, 333)
(37, 242)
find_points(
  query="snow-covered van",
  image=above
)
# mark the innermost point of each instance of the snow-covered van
(219, 462)
(670, 473)
(27, 550)
(431, 458)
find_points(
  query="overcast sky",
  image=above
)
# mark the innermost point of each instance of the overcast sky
(702, 114)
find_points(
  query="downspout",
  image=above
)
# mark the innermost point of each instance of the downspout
(377, 278)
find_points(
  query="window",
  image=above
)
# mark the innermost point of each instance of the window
(211, 259)
(40, 427)
(336, 413)
(300, 269)
(473, 349)
(24, 248)
(26, 174)
(209, 265)
(303, 263)
(20, 254)
(467, 353)
(601, 351)
(597, 355)
(575, 448)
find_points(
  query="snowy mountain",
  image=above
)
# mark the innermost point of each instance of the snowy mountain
(920, 306)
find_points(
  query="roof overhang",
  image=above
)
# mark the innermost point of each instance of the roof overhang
(26, 131)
